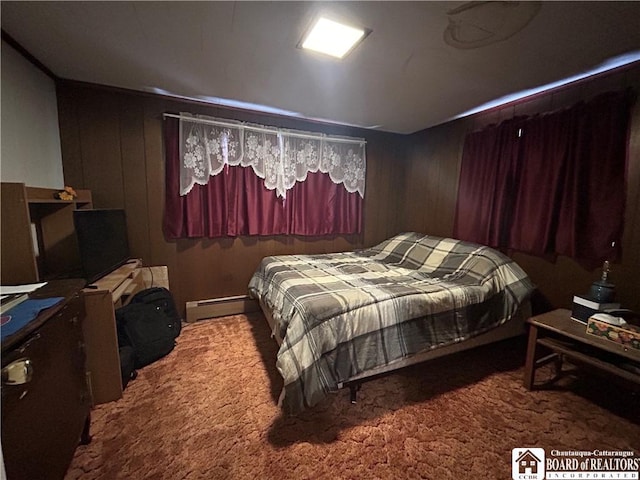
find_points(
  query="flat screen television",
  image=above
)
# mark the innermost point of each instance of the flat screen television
(102, 241)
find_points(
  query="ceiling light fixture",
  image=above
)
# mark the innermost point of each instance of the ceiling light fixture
(332, 38)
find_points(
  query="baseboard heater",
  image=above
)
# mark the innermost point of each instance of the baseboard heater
(220, 307)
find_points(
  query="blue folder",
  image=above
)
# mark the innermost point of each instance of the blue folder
(23, 313)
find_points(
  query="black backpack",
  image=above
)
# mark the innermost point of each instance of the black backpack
(161, 298)
(127, 364)
(147, 329)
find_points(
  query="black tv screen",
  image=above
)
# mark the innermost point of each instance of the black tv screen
(102, 240)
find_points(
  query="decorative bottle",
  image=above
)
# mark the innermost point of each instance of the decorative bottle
(602, 291)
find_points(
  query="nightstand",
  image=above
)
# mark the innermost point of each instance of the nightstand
(567, 338)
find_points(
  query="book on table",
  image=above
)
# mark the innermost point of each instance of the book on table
(584, 307)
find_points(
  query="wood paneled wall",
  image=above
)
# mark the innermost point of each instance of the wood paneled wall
(433, 165)
(112, 144)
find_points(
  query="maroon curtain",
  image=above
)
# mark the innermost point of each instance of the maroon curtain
(321, 207)
(593, 204)
(236, 202)
(549, 184)
(488, 182)
(545, 144)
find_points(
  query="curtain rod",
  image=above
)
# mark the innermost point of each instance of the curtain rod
(273, 130)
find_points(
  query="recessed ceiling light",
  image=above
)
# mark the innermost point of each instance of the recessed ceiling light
(332, 38)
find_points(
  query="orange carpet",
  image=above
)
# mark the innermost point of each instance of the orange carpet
(208, 411)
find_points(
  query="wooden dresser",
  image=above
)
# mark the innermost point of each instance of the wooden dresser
(44, 418)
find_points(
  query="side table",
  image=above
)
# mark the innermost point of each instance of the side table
(566, 337)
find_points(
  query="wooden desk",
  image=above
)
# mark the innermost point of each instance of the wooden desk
(46, 414)
(565, 337)
(103, 359)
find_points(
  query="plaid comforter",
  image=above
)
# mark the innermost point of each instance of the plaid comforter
(344, 313)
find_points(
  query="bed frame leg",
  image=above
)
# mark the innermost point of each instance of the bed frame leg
(353, 391)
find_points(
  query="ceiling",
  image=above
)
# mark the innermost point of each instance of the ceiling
(407, 75)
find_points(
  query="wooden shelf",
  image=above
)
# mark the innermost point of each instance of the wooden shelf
(590, 358)
(38, 235)
(47, 195)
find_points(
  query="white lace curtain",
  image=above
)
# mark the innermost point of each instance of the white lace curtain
(280, 157)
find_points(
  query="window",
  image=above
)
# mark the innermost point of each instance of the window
(226, 178)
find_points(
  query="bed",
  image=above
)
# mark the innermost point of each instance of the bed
(342, 318)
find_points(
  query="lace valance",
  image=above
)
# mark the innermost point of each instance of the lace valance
(280, 157)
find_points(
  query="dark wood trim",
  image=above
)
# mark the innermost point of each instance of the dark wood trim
(26, 54)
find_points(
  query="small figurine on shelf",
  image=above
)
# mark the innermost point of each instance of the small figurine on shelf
(67, 194)
(602, 291)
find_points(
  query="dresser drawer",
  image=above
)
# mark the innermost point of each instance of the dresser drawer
(45, 400)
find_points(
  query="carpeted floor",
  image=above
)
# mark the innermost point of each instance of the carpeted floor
(208, 411)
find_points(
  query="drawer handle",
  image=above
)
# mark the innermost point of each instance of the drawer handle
(18, 372)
